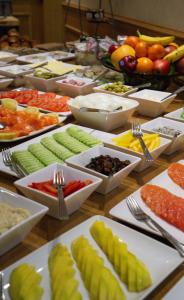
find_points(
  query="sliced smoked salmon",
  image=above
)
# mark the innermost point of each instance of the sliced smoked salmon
(176, 173)
(167, 206)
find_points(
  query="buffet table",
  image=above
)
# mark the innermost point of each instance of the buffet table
(97, 204)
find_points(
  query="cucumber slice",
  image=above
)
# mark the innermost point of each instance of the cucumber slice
(59, 150)
(27, 161)
(69, 142)
(43, 154)
(83, 136)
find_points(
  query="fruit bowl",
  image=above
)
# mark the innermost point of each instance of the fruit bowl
(158, 81)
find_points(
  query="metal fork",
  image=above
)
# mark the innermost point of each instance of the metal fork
(9, 162)
(140, 215)
(137, 132)
(59, 183)
(2, 296)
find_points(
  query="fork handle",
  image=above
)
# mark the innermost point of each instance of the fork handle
(145, 149)
(63, 214)
(169, 237)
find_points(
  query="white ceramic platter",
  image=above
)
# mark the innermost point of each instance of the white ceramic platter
(62, 113)
(24, 145)
(15, 70)
(122, 212)
(160, 259)
(33, 133)
(175, 115)
(41, 57)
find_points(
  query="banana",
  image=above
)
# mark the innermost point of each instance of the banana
(176, 54)
(150, 40)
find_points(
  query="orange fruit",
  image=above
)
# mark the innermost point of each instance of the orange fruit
(144, 65)
(156, 51)
(141, 49)
(131, 41)
(121, 52)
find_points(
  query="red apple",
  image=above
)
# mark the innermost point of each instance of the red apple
(161, 66)
(170, 49)
(112, 48)
(128, 63)
(180, 66)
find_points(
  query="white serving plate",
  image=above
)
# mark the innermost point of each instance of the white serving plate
(177, 143)
(7, 56)
(175, 115)
(46, 56)
(16, 234)
(24, 145)
(122, 212)
(41, 84)
(15, 70)
(106, 121)
(33, 133)
(150, 102)
(73, 201)
(108, 182)
(5, 82)
(160, 259)
(176, 292)
(62, 113)
(107, 140)
(101, 89)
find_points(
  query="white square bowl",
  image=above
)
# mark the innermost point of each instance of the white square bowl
(108, 182)
(107, 140)
(16, 234)
(175, 115)
(41, 84)
(101, 89)
(105, 121)
(177, 142)
(75, 90)
(150, 102)
(73, 201)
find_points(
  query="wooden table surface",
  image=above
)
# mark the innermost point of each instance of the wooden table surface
(49, 228)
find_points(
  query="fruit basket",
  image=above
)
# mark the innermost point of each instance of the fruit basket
(143, 59)
(158, 81)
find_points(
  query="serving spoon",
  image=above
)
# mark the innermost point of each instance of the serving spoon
(2, 125)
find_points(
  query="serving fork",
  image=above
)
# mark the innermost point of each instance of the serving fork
(9, 162)
(137, 133)
(2, 296)
(59, 182)
(140, 215)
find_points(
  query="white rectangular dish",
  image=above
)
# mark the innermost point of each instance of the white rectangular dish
(17, 233)
(175, 115)
(15, 70)
(160, 259)
(108, 182)
(5, 82)
(46, 56)
(101, 89)
(107, 120)
(7, 56)
(73, 201)
(76, 90)
(41, 84)
(177, 142)
(61, 113)
(122, 212)
(33, 133)
(107, 140)
(24, 145)
(150, 102)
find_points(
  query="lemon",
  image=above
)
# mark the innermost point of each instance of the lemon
(119, 53)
